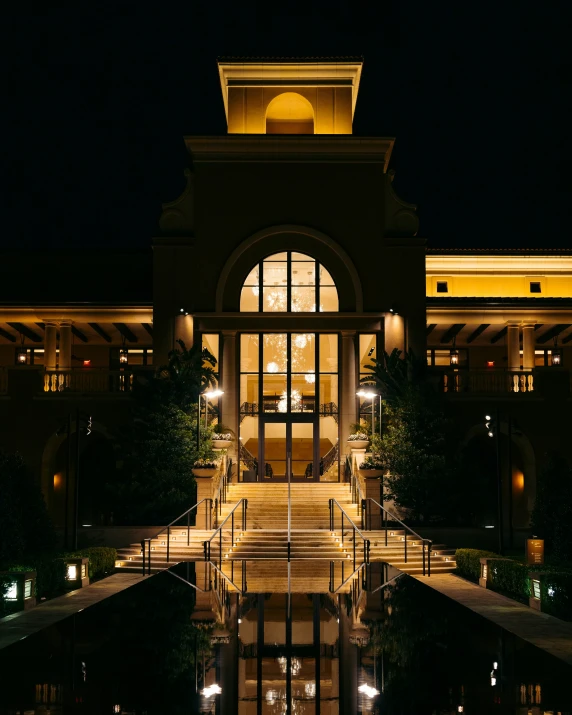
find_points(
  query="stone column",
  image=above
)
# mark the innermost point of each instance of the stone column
(229, 383)
(348, 385)
(528, 347)
(50, 344)
(65, 358)
(513, 347)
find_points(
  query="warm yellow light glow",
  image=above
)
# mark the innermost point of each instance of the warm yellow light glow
(290, 107)
(72, 572)
(518, 482)
(58, 479)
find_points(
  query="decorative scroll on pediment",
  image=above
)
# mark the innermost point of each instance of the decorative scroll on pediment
(400, 217)
(178, 216)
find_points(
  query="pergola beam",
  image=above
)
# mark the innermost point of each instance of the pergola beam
(126, 332)
(81, 336)
(554, 331)
(452, 333)
(497, 336)
(7, 335)
(567, 339)
(478, 331)
(430, 328)
(27, 332)
(100, 331)
(148, 327)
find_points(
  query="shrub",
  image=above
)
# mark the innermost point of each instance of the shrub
(510, 578)
(469, 562)
(101, 560)
(556, 594)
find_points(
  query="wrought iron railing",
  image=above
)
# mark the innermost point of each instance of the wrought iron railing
(368, 507)
(247, 457)
(146, 543)
(329, 458)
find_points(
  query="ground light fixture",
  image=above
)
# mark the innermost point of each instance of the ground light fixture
(211, 690)
(368, 690)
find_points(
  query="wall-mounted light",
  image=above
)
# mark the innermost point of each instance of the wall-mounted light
(556, 353)
(124, 356)
(454, 357)
(393, 310)
(86, 363)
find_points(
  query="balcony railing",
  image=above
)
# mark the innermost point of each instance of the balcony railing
(486, 381)
(90, 380)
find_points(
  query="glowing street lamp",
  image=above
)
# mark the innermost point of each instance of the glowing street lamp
(368, 690)
(209, 395)
(211, 690)
(371, 395)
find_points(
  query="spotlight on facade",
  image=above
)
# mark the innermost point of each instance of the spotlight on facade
(393, 310)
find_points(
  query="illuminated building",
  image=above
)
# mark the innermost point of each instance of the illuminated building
(291, 257)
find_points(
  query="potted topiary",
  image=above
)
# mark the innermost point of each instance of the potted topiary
(371, 467)
(205, 468)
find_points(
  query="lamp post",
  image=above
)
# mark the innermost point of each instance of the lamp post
(370, 395)
(210, 395)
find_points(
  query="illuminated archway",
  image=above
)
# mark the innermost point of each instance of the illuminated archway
(289, 113)
(289, 281)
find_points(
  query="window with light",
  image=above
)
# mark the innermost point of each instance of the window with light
(289, 282)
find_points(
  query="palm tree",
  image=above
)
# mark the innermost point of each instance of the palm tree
(189, 372)
(393, 374)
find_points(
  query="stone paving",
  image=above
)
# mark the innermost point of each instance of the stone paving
(551, 634)
(20, 625)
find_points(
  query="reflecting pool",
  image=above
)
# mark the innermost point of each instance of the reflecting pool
(188, 642)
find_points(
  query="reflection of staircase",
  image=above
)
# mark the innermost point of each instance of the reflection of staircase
(272, 576)
(130, 559)
(442, 559)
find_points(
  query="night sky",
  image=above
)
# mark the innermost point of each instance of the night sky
(476, 94)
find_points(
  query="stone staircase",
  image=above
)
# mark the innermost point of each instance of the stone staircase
(266, 539)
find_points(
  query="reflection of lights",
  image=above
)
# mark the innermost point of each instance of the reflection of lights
(310, 377)
(295, 664)
(283, 403)
(310, 690)
(271, 696)
(368, 690)
(213, 689)
(272, 367)
(255, 290)
(300, 341)
(296, 401)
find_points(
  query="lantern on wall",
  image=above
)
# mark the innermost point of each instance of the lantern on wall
(454, 357)
(556, 353)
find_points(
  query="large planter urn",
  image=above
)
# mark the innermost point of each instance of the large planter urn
(371, 473)
(221, 443)
(204, 471)
(358, 443)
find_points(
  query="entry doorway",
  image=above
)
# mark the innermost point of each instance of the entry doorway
(289, 445)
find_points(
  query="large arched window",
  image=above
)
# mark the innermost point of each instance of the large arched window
(289, 282)
(290, 113)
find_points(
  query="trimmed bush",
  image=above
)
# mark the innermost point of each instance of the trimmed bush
(101, 560)
(556, 594)
(510, 578)
(469, 562)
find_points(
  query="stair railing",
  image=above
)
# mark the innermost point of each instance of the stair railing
(146, 543)
(333, 503)
(354, 574)
(217, 536)
(355, 486)
(426, 544)
(222, 491)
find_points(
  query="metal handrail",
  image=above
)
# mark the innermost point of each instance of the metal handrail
(343, 513)
(355, 486)
(147, 541)
(288, 467)
(207, 544)
(349, 578)
(221, 493)
(386, 513)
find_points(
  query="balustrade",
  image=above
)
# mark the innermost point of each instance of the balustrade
(88, 381)
(487, 381)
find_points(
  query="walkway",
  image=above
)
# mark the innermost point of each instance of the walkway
(25, 623)
(543, 631)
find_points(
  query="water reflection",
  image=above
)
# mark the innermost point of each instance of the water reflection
(191, 643)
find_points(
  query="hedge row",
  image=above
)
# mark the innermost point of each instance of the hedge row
(512, 578)
(50, 570)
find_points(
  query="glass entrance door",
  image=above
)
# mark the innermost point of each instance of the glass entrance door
(288, 444)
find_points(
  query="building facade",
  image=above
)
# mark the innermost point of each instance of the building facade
(292, 259)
